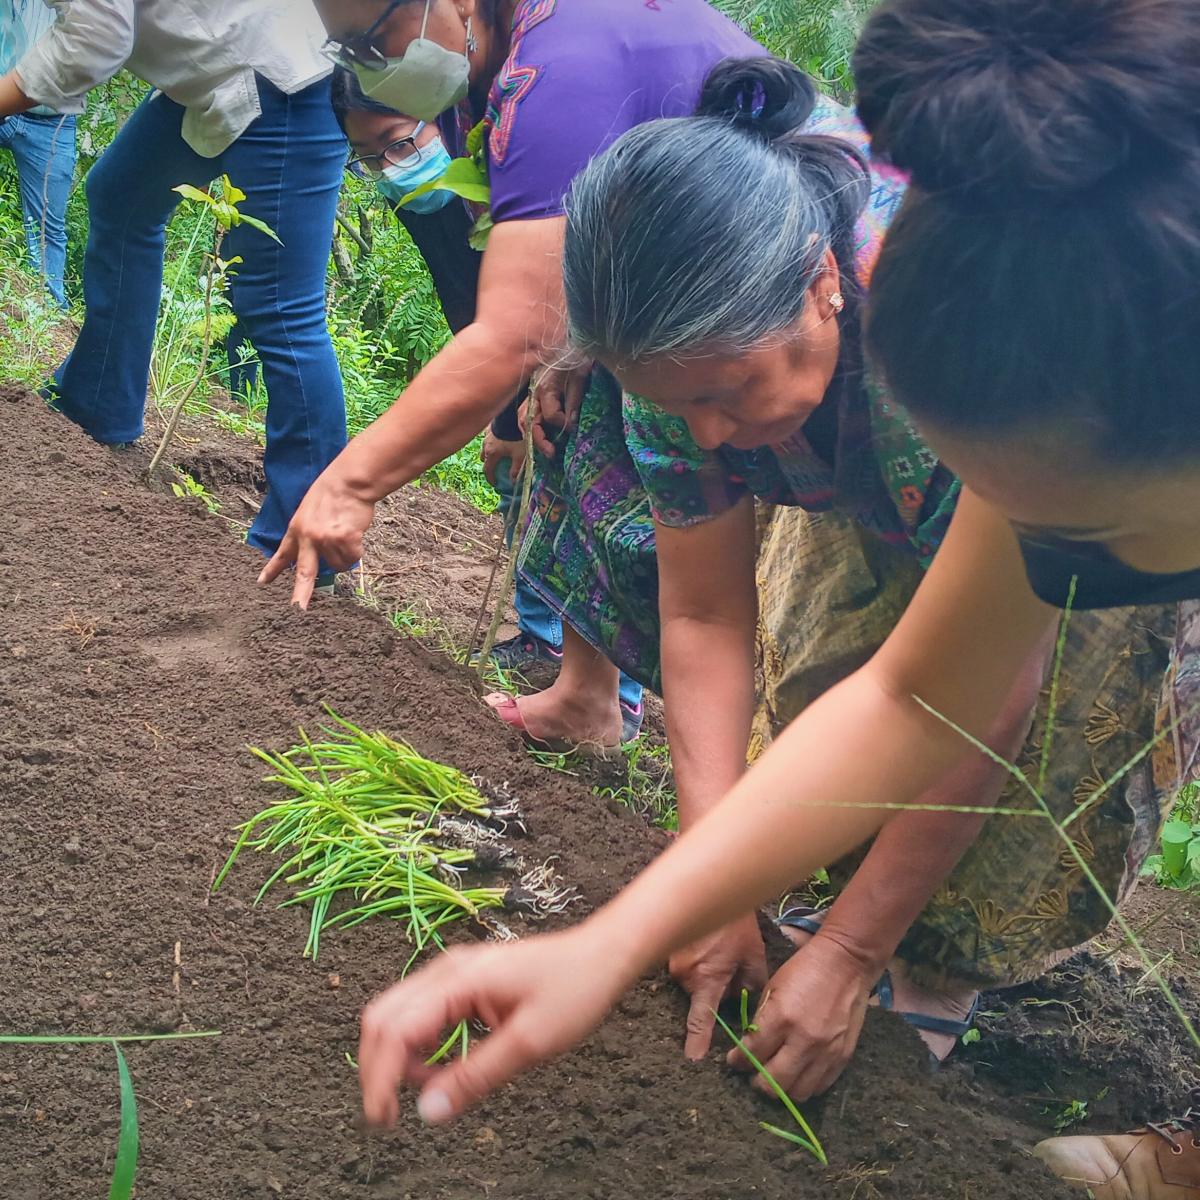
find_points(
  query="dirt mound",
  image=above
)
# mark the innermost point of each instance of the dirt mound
(136, 660)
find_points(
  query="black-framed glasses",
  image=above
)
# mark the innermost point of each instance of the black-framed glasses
(360, 50)
(403, 152)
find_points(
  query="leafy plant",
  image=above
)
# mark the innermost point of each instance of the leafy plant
(226, 216)
(1073, 1114)
(125, 1166)
(371, 820)
(649, 787)
(818, 35)
(1177, 865)
(806, 1139)
(189, 487)
(466, 177)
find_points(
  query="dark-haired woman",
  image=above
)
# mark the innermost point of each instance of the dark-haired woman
(557, 81)
(400, 153)
(1035, 309)
(749, 383)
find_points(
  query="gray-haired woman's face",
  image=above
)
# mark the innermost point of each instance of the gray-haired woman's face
(755, 397)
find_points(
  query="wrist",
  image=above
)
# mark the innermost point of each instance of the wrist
(621, 945)
(869, 953)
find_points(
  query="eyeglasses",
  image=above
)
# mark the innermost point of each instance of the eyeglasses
(360, 50)
(404, 152)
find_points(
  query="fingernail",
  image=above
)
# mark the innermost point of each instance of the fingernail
(434, 1108)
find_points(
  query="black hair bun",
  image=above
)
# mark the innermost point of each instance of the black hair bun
(1004, 101)
(767, 96)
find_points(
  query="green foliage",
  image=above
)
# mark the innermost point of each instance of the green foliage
(649, 787)
(28, 322)
(187, 487)
(464, 177)
(1177, 865)
(818, 35)
(125, 1167)
(223, 205)
(365, 818)
(1073, 1114)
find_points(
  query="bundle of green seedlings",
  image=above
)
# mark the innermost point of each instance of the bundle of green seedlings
(369, 820)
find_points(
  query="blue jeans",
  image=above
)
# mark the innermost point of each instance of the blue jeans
(44, 149)
(535, 618)
(289, 163)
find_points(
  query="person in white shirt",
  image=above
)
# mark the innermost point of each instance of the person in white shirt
(42, 143)
(241, 88)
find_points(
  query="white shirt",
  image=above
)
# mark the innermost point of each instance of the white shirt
(203, 54)
(22, 23)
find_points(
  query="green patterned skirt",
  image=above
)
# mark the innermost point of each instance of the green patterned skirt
(829, 595)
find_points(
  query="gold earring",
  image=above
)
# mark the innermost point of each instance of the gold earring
(837, 302)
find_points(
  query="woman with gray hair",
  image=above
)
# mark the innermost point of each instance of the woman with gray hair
(732, 325)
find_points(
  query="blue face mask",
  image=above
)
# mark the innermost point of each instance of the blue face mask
(398, 181)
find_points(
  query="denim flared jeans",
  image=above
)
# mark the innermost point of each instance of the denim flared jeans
(289, 163)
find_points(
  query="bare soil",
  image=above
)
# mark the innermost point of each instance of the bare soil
(137, 659)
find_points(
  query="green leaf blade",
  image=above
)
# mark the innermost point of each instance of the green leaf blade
(125, 1167)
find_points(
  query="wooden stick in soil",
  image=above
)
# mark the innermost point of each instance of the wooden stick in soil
(508, 586)
(205, 352)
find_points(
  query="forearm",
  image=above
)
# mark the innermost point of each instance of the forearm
(708, 694)
(916, 850)
(446, 405)
(12, 97)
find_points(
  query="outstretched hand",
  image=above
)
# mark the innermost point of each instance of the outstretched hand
(328, 526)
(538, 998)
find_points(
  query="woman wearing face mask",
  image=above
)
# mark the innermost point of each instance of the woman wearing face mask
(558, 81)
(242, 89)
(1034, 309)
(399, 154)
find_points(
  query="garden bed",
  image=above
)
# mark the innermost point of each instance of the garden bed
(137, 659)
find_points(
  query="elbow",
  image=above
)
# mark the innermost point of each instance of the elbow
(512, 351)
(87, 48)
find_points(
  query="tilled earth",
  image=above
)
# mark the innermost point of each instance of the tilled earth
(137, 660)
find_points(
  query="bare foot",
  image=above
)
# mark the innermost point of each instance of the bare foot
(559, 715)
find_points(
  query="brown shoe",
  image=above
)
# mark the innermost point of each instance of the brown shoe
(1158, 1162)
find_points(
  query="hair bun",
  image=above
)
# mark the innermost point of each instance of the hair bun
(767, 96)
(1001, 101)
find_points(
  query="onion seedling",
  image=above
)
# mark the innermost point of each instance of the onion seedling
(125, 1164)
(806, 1139)
(371, 821)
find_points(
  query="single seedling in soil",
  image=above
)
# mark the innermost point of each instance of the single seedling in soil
(806, 1139)
(370, 820)
(125, 1164)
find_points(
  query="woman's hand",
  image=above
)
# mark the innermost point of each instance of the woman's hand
(712, 969)
(554, 403)
(496, 450)
(810, 1020)
(329, 525)
(539, 998)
